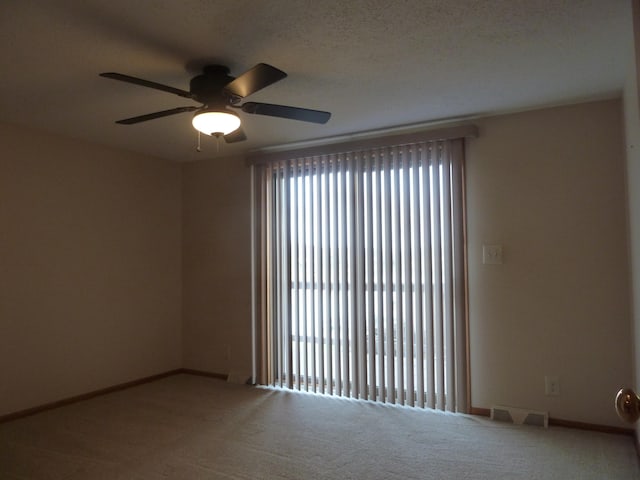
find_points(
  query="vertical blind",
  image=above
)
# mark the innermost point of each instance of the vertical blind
(360, 274)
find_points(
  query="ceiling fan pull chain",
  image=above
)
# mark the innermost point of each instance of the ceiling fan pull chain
(198, 149)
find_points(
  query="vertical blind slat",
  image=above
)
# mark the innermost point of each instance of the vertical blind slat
(447, 275)
(304, 354)
(459, 276)
(345, 263)
(417, 274)
(340, 281)
(318, 382)
(266, 274)
(277, 266)
(329, 258)
(397, 277)
(353, 242)
(359, 358)
(286, 277)
(333, 356)
(388, 291)
(311, 285)
(407, 284)
(381, 390)
(295, 261)
(437, 283)
(368, 224)
(429, 277)
(260, 273)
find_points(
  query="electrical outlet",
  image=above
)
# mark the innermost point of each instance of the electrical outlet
(551, 385)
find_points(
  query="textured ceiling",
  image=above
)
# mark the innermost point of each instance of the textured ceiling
(373, 64)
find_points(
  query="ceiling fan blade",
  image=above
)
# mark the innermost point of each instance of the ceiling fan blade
(151, 116)
(282, 111)
(146, 83)
(235, 136)
(260, 76)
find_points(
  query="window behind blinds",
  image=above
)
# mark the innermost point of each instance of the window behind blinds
(360, 274)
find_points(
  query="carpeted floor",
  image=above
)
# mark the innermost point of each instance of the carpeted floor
(187, 427)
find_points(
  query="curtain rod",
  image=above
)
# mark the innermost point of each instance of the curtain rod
(445, 133)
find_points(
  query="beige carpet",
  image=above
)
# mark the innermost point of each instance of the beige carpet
(188, 427)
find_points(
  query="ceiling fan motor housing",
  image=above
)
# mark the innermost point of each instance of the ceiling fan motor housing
(208, 88)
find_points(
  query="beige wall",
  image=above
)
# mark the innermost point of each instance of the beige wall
(90, 268)
(549, 186)
(217, 266)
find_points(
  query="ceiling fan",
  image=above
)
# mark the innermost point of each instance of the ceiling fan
(219, 93)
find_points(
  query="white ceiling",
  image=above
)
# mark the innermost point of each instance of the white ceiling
(373, 64)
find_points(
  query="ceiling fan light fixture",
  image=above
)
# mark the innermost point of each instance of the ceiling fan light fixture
(215, 122)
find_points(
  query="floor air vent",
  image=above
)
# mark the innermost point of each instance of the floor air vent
(519, 416)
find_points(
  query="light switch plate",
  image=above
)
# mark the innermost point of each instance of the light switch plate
(491, 254)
